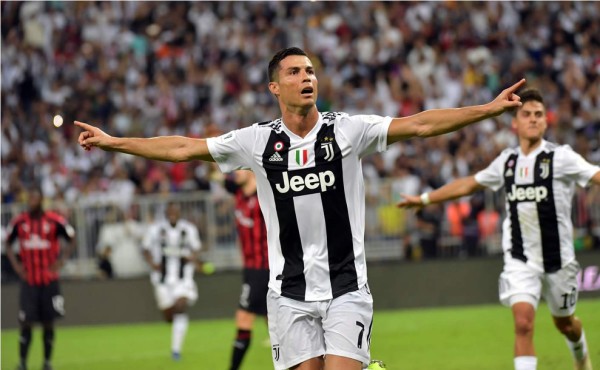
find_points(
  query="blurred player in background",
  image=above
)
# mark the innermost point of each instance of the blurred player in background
(310, 186)
(252, 232)
(539, 259)
(39, 263)
(171, 249)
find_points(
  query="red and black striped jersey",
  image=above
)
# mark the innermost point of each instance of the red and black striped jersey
(39, 246)
(252, 231)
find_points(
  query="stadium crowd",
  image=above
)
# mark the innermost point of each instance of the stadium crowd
(199, 69)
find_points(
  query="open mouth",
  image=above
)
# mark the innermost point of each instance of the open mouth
(307, 91)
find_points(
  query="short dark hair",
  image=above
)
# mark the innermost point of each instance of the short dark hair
(529, 94)
(278, 57)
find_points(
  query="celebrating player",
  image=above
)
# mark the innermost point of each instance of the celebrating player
(310, 187)
(171, 249)
(539, 258)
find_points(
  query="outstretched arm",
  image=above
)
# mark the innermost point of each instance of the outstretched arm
(455, 189)
(162, 148)
(440, 121)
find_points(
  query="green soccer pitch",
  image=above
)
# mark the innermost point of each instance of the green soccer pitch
(461, 338)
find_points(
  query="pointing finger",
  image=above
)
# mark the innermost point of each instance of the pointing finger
(84, 126)
(516, 86)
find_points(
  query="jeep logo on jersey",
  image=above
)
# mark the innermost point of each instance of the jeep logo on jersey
(308, 183)
(527, 193)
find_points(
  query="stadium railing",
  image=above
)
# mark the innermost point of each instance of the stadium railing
(388, 230)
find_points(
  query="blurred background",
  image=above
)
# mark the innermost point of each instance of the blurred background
(199, 69)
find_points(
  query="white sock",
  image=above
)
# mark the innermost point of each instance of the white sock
(525, 363)
(180, 325)
(578, 349)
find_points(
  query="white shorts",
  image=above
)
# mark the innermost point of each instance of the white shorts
(167, 294)
(303, 330)
(520, 283)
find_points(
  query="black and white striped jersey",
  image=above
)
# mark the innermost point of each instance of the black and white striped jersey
(171, 246)
(539, 189)
(311, 192)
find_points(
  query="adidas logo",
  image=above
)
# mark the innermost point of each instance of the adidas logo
(509, 173)
(276, 157)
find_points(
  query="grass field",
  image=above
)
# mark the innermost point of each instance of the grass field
(465, 338)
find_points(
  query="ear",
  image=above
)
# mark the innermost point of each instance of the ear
(274, 88)
(513, 124)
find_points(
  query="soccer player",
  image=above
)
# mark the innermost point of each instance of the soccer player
(171, 249)
(252, 232)
(539, 258)
(311, 192)
(38, 232)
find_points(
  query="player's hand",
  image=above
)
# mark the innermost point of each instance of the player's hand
(93, 136)
(56, 266)
(20, 271)
(507, 99)
(410, 201)
(156, 267)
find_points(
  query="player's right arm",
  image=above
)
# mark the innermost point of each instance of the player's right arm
(13, 234)
(455, 189)
(162, 148)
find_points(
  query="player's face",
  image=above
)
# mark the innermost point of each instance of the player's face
(35, 201)
(173, 213)
(297, 83)
(530, 121)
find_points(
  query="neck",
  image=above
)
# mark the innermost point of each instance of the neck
(300, 120)
(36, 213)
(529, 145)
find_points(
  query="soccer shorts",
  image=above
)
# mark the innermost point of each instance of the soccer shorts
(254, 291)
(167, 294)
(520, 283)
(303, 330)
(40, 303)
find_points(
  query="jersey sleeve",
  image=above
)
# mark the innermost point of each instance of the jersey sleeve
(12, 232)
(573, 166)
(493, 175)
(194, 237)
(233, 150)
(64, 229)
(368, 133)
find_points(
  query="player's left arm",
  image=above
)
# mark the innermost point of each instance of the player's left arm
(436, 122)
(68, 233)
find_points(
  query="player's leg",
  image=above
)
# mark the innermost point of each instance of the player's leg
(179, 327)
(524, 318)
(315, 363)
(24, 344)
(244, 322)
(333, 362)
(253, 301)
(561, 293)
(28, 313)
(52, 309)
(48, 337)
(347, 327)
(296, 333)
(186, 293)
(521, 288)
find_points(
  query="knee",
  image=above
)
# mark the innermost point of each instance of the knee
(523, 325)
(566, 327)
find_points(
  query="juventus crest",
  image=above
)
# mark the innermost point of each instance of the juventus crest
(545, 168)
